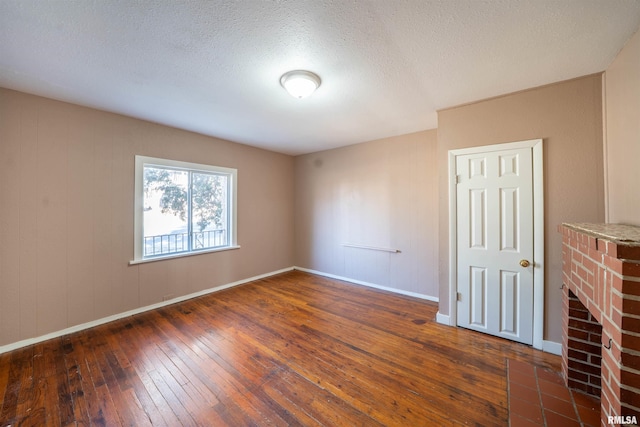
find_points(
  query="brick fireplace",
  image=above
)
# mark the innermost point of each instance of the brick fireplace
(601, 314)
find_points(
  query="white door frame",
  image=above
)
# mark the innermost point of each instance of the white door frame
(538, 231)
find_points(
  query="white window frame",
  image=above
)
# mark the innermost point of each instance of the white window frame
(140, 162)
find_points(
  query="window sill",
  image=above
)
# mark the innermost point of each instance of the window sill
(181, 255)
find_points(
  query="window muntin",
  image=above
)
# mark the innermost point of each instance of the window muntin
(183, 208)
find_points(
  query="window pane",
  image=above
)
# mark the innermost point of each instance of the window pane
(209, 210)
(165, 219)
(182, 208)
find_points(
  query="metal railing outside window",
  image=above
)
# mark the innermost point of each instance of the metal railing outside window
(165, 244)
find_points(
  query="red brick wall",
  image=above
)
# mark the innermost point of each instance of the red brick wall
(605, 277)
(584, 351)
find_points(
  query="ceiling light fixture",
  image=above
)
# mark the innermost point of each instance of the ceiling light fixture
(300, 83)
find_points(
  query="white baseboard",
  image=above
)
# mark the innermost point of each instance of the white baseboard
(443, 319)
(371, 285)
(552, 347)
(76, 328)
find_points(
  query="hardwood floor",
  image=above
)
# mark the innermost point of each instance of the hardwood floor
(292, 349)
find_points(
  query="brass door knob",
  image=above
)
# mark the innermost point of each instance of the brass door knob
(525, 263)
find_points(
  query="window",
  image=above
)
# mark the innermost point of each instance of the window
(182, 208)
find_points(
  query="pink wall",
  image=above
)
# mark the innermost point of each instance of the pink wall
(568, 117)
(622, 136)
(66, 217)
(381, 194)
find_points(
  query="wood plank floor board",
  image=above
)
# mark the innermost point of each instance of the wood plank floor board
(51, 403)
(232, 413)
(371, 340)
(126, 404)
(194, 377)
(5, 365)
(446, 343)
(18, 362)
(73, 365)
(171, 399)
(102, 409)
(193, 391)
(196, 360)
(141, 395)
(355, 378)
(141, 384)
(327, 375)
(413, 384)
(227, 357)
(288, 409)
(44, 406)
(322, 365)
(27, 389)
(266, 409)
(199, 408)
(159, 407)
(321, 404)
(294, 349)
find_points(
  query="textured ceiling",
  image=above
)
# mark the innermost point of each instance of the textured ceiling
(213, 66)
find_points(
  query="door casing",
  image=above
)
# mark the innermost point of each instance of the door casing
(538, 230)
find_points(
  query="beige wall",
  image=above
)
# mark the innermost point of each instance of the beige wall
(568, 117)
(66, 215)
(622, 141)
(380, 193)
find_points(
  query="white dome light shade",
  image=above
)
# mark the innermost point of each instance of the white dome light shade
(300, 83)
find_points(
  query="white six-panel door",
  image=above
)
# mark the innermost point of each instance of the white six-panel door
(494, 198)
